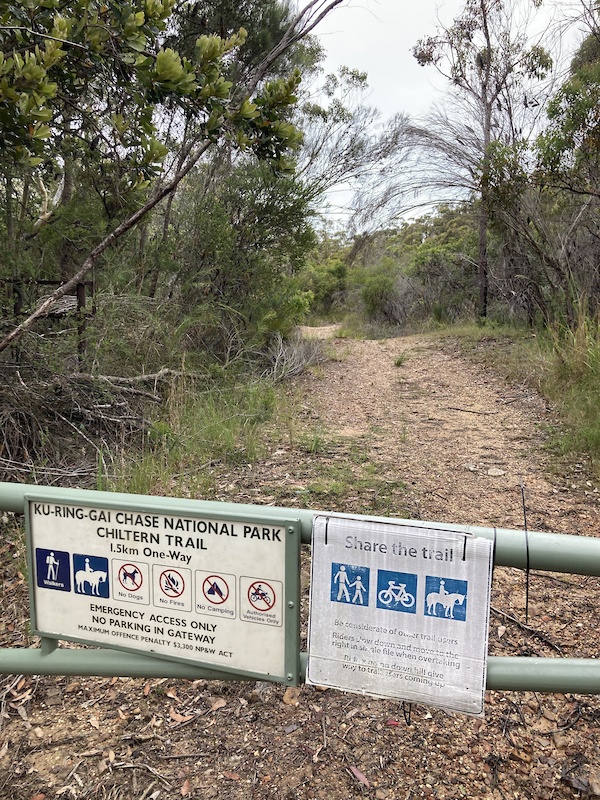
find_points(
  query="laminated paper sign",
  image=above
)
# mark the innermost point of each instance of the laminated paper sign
(400, 611)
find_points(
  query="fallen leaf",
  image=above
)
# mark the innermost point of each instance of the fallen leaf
(501, 631)
(291, 695)
(360, 777)
(39, 796)
(111, 756)
(578, 782)
(233, 776)
(147, 689)
(94, 722)
(186, 788)
(180, 717)
(171, 693)
(393, 723)
(219, 703)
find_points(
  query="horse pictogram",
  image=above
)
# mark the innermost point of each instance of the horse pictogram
(446, 598)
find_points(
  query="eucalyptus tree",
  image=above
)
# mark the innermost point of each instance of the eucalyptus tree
(489, 61)
(492, 69)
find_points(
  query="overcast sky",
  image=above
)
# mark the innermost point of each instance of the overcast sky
(376, 36)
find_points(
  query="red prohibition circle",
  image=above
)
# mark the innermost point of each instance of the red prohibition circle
(170, 587)
(128, 572)
(261, 596)
(216, 597)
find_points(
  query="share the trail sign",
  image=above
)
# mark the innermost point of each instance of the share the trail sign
(399, 611)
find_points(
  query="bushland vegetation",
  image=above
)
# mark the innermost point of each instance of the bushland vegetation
(164, 169)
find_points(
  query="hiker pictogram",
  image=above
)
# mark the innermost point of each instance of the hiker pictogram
(350, 584)
(53, 569)
(396, 591)
(215, 589)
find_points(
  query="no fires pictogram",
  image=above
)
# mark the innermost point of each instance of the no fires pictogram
(171, 583)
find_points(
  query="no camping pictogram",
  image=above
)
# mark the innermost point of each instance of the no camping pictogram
(171, 583)
(261, 596)
(215, 589)
(130, 577)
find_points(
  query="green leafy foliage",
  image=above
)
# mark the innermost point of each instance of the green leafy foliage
(570, 147)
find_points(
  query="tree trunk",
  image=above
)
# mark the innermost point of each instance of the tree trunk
(482, 269)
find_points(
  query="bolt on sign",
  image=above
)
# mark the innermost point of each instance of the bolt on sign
(400, 612)
(220, 593)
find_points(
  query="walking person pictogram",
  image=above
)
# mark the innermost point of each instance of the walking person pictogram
(52, 567)
(345, 577)
(341, 578)
(359, 589)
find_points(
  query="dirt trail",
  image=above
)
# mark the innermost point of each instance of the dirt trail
(459, 437)
(401, 427)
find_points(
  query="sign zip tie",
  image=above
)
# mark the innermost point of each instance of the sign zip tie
(326, 528)
(464, 555)
(406, 710)
(527, 568)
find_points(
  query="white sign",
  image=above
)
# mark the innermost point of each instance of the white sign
(208, 591)
(399, 611)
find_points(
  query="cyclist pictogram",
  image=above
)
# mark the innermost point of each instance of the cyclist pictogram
(396, 591)
(171, 583)
(261, 595)
(215, 589)
(130, 577)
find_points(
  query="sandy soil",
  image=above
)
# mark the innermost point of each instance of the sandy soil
(402, 427)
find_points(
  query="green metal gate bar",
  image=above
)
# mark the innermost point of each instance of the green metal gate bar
(539, 551)
(510, 673)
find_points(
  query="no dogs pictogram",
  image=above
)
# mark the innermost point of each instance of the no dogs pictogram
(261, 596)
(215, 589)
(130, 577)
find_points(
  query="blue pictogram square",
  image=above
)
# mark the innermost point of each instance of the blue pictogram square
(350, 584)
(53, 569)
(446, 598)
(90, 575)
(397, 591)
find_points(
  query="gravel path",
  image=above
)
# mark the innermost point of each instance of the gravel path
(403, 427)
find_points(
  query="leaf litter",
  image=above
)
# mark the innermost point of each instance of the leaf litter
(386, 447)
